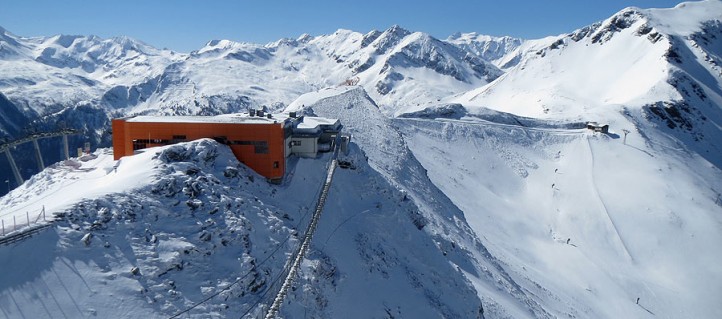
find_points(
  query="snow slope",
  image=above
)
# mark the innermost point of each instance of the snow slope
(463, 199)
(588, 222)
(642, 220)
(631, 209)
(83, 81)
(195, 222)
(502, 296)
(47, 74)
(492, 49)
(634, 58)
(658, 66)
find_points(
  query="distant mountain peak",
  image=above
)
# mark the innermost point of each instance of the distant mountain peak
(66, 41)
(458, 34)
(304, 38)
(370, 37)
(9, 46)
(620, 21)
(219, 43)
(223, 47)
(125, 40)
(283, 42)
(389, 38)
(486, 47)
(398, 30)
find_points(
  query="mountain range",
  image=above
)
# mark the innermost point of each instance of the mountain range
(477, 190)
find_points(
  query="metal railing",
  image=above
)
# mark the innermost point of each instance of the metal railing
(294, 263)
(15, 229)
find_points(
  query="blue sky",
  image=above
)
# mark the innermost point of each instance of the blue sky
(186, 25)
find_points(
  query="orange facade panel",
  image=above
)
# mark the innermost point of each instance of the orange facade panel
(258, 145)
(119, 139)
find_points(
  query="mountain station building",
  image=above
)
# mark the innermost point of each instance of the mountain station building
(260, 140)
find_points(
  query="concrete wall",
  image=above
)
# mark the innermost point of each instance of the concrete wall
(302, 146)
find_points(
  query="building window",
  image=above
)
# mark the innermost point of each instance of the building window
(295, 143)
(275, 164)
(222, 140)
(260, 147)
(138, 145)
(179, 137)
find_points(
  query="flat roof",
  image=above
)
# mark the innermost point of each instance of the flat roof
(308, 122)
(237, 118)
(313, 122)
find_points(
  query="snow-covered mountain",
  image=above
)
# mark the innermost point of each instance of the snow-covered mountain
(584, 247)
(81, 82)
(400, 68)
(636, 200)
(659, 65)
(474, 193)
(195, 222)
(488, 48)
(45, 75)
(397, 67)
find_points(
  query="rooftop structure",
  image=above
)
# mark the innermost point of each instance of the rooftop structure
(596, 127)
(261, 140)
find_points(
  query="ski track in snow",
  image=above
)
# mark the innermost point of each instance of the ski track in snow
(600, 200)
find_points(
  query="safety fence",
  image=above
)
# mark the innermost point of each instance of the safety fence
(15, 229)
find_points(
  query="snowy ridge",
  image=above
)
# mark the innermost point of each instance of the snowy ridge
(557, 77)
(631, 64)
(389, 154)
(492, 49)
(198, 220)
(550, 193)
(83, 81)
(67, 70)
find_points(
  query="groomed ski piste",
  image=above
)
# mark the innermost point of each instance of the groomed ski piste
(582, 212)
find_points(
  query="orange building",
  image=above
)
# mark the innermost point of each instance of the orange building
(261, 142)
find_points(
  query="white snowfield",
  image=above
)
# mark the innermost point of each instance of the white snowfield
(47, 75)
(594, 222)
(584, 73)
(460, 199)
(582, 221)
(198, 224)
(65, 184)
